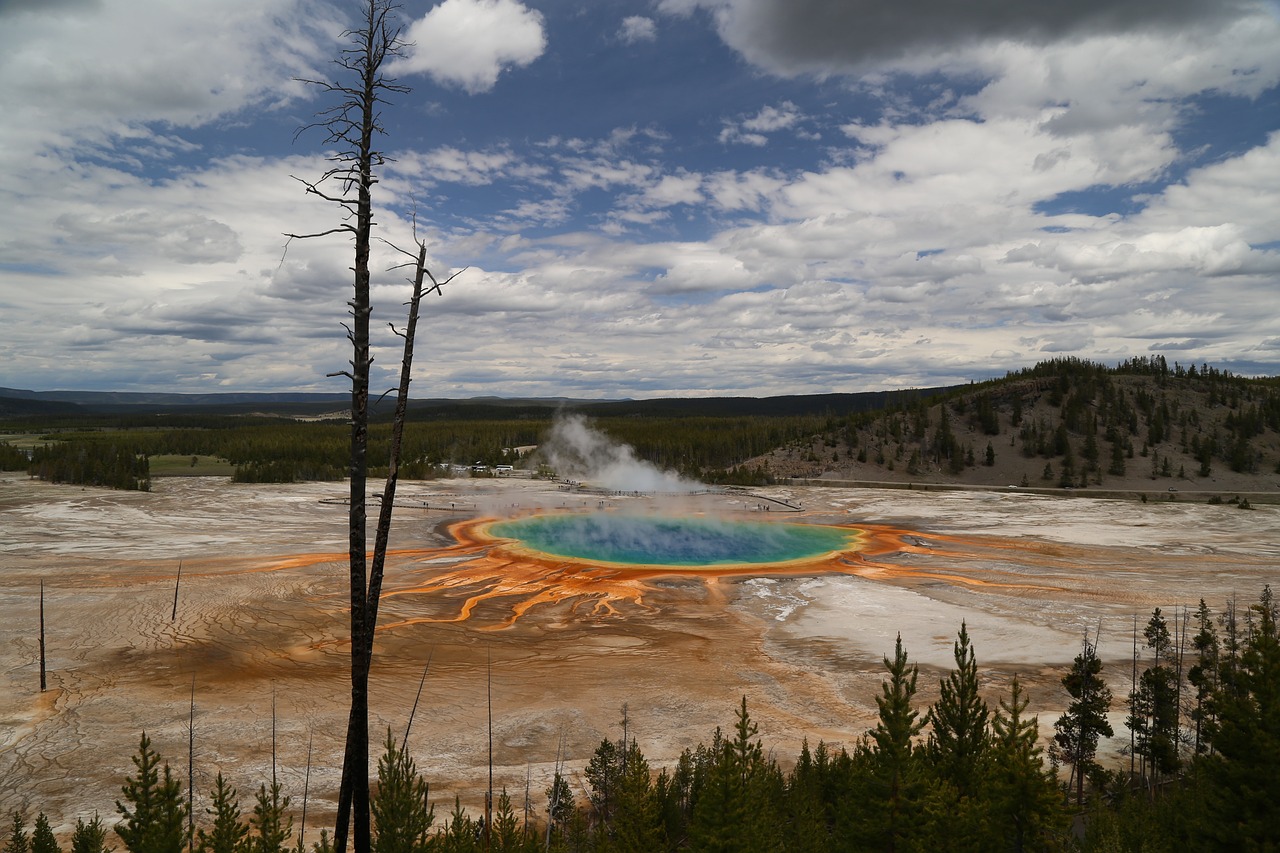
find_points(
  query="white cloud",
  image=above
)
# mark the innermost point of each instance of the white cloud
(673, 189)
(468, 43)
(751, 131)
(86, 75)
(770, 119)
(637, 28)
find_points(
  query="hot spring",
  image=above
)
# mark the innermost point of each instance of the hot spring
(643, 540)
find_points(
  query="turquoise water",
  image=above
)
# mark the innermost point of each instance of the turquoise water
(670, 541)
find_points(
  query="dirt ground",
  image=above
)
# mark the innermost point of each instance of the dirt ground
(261, 619)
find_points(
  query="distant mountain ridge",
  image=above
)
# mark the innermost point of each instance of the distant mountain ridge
(18, 402)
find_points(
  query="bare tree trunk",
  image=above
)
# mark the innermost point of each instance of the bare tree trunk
(1133, 692)
(42, 669)
(178, 582)
(352, 124)
(191, 756)
(306, 792)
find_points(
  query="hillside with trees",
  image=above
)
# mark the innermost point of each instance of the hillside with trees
(1142, 425)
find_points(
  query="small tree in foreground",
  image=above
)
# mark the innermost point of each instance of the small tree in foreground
(89, 837)
(1077, 732)
(19, 840)
(42, 840)
(402, 816)
(154, 812)
(228, 831)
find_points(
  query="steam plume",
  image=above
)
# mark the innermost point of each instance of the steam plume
(577, 451)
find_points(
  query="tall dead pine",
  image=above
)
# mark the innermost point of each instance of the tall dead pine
(351, 126)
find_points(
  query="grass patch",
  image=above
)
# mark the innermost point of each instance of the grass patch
(23, 441)
(176, 465)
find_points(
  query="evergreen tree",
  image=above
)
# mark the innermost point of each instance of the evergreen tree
(882, 811)
(1025, 806)
(270, 827)
(459, 834)
(42, 840)
(603, 773)
(402, 816)
(228, 832)
(19, 839)
(560, 804)
(959, 720)
(507, 836)
(956, 751)
(635, 827)
(1203, 676)
(1075, 741)
(1116, 468)
(155, 817)
(805, 812)
(1242, 805)
(1154, 704)
(734, 810)
(89, 837)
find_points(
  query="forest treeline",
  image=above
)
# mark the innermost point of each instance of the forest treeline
(961, 775)
(288, 451)
(1084, 421)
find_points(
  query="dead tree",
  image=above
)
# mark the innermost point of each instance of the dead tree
(351, 126)
(42, 667)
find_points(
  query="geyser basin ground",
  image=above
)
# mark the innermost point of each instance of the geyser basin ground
(262, 613)
(685, 542)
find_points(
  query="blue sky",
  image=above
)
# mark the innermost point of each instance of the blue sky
(666, 198)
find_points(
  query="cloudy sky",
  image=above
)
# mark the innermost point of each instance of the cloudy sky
(653, 197)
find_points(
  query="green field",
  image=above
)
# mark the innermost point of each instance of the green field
(23, 440)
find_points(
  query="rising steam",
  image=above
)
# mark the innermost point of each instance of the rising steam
(576, 451)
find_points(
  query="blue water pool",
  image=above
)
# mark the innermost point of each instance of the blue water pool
(672, 541)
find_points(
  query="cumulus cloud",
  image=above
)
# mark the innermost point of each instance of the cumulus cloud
(637, 28)
(468, 43)
(752, 130)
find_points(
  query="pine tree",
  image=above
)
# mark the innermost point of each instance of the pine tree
(459, 834)
(157, 821)
(228, 832)
(507, 836)
(956, 751)
(42, 840)
(89, 837)
(959, 720)
(1075, 741)
(1154, 704)
(735, 809)
(1242, 809)
(19, 839)
(1203, 676)
(269, 826)
(636, 827)
(402, 816)
(884, 809)
(560, 804)
(805, 808)
(603, 772)
(1025, 805)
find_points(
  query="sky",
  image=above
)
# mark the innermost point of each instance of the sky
(650, 198)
